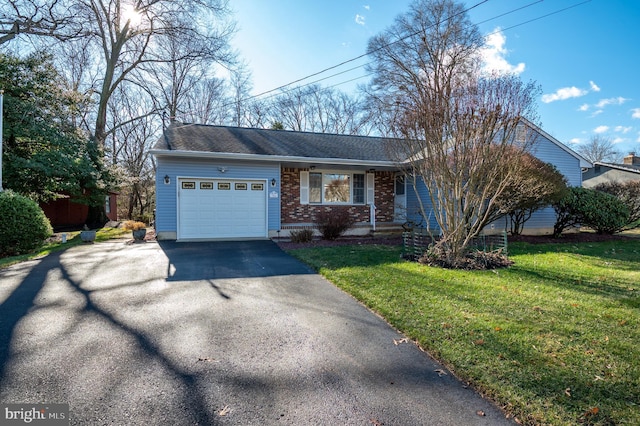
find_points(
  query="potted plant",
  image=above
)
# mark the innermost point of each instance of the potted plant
(138, 229)
(87, 235)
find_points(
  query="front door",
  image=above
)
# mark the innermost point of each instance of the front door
(400, 202)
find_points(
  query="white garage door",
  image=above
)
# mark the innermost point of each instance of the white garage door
(222, 208)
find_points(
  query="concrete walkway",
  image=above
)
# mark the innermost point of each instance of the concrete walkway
(211, 333)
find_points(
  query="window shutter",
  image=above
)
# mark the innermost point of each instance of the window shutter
(370, 188)
(304, 187)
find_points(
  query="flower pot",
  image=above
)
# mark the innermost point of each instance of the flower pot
(88, 236)
(139, 234)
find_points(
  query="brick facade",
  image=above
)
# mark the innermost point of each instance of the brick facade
(292, 212)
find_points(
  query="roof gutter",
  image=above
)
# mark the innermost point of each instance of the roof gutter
(269, 158)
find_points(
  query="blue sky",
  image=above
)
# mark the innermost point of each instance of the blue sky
(585, 58)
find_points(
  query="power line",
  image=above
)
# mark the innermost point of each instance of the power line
(360, 56)
(394, 42)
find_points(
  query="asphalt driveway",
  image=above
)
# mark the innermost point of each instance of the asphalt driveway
(211, 333)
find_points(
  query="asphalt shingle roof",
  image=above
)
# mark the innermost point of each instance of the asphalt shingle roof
(238, 140)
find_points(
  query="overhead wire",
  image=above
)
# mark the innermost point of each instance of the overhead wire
(280, 90)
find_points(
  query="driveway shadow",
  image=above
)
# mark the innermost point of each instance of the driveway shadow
(20, 302)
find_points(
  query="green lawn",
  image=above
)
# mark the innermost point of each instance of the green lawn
(555, 339)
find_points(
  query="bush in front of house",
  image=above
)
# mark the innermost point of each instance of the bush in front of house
(333, 223)
(24, 225)
(597, 210)
(629, 194)
(301, 236)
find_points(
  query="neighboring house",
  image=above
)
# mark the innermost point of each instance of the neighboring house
(217, 182)
(64, 213)
(629, 170)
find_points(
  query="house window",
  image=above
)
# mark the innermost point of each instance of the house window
(107, 204)
(336, 188)
(358, 188)
(315, 187)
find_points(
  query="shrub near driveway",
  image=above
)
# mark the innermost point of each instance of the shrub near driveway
(553, 339)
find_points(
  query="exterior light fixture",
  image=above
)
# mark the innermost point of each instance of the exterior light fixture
(167, 180)
(273, 182)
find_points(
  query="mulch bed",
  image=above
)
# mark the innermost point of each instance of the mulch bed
(343, 241)
(578, 237)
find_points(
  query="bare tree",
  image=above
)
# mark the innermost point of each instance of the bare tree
(129, 150)
(458, 127)
(599, 149)
(124, 37)
(241, 87)
(317, 109)
(190, 60)
(129, 38)
(53, 18)
(205, 102)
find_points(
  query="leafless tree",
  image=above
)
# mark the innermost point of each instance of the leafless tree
(241, 86)
(128, 150)
(205, 102)
(458, 126)
(52, 18)
(599, 149)
(317, 109)
(130, 38)
(124, 38)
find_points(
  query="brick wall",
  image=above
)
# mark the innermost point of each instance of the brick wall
(292, 212)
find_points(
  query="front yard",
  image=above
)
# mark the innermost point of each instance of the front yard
(555, 339)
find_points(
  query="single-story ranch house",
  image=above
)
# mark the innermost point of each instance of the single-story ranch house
(219, 182)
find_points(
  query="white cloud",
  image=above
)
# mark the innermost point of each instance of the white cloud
(611, 101)
(619, 140)
(596, 113)
(564, 93)
(366, 6)
(635, 113)
(494, 55)
(575, 141)
(583, 107)
(623, 129)
(594, 87)
(359, 19)
(601, 129)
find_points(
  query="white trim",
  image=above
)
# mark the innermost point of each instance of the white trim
(370, 195)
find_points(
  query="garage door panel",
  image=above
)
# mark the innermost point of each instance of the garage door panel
(237, 212)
